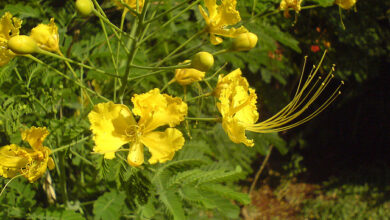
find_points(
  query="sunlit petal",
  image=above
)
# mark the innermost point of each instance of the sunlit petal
(109, 124)
(163, 145)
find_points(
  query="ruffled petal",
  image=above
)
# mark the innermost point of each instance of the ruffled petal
(110, 124)
(187, 76)
(35, 137)
(215, 40)
(157, 109)
(37, 168)
(235, 131)
(9, 27)
(46, 36)
(163, 145)
(12, 159)
(211, 6)
(237, 105)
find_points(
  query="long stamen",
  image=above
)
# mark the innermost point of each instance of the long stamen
(304, 97)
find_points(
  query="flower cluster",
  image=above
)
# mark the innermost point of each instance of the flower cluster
(43, 36)
(29, 162)
(113, 125)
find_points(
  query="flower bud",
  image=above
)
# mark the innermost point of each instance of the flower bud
(188, 75)
(84, 7)
(22, 44)
(135, 157)
(244, 42)
(345, 4)
(202, 61)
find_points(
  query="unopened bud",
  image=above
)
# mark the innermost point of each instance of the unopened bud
(202, 61)
(345, 4)
(244, 42)
(188, 75)
(84, 7)
(22, 44)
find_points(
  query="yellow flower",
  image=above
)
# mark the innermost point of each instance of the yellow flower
(188, 75)
(31, 163)
(131, 3)
(113, 125)
(237, 105)
(219, 17)
(294, 4)
(46, 36)
(345, 4)
(9, 27)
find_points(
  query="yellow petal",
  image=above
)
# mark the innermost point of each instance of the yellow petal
(35, 137)
(131, 3)
(157, 109)
(235, 131)
(220, 18)
(9, 27)
(215, 40)
(211, 6)
(46, 36)
(136, 154)
(230, 81)
(237, 104)
(38, 166)
(163, 145)
(187, 76)
(110, 124)
(12, 159)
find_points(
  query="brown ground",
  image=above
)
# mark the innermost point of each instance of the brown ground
(282, 203)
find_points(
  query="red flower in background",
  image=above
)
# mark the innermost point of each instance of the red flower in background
(315, 48)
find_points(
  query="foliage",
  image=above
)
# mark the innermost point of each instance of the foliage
(202, 181)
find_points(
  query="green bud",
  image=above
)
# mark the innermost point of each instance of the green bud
(244, 42)
(22, 44)
(84, 7)
(202, 61)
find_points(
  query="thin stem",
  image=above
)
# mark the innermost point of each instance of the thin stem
(66, 77)
(200, 96)
(181, 46)
(260, 170)
(203, 119)
(70, 145)
(75, 62)
(5, 186)
(169, 21)
(276, 11)
(166, 12)
(162, 68)
(167, 84)
(221, 52)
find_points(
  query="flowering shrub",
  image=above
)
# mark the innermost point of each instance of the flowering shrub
(125, 140)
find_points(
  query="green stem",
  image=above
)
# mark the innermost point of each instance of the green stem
(167, 84)
(70, 145)
(130, 57)
(66, 77)
(81, 157)
(75, 62)
(169, 21)
(203, 119)
(221, 52)
(105, 20)
(117, 52)
(181, 46)
(219, 70)
(162, 68)
(276, 11)
(166, 12)
(200, 96)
